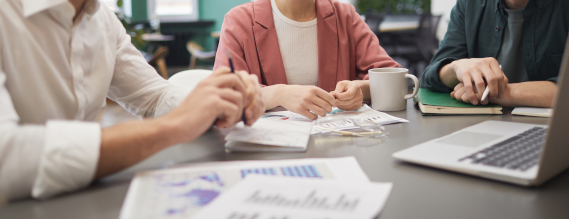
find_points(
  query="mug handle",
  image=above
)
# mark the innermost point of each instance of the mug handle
(415, 89)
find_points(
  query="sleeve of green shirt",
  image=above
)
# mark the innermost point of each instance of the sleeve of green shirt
(452, 47)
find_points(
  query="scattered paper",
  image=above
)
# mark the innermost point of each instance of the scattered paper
(261, 197)
(271, 132)
(338, 119)
(532, 111)
(182, 192)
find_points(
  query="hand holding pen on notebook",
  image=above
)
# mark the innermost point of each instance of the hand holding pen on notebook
(253, 107)
(475, 76)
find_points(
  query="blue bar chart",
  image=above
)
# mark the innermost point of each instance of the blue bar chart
(305, 171)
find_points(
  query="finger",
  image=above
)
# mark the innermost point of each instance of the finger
(229, 114)
(459, 93)
(350, 92)
(465, 98)
(221, 70)
(485, 102)
(340, 87)
(459, 86)
(469, 88)
(316, 110)
(352, 104)
(324, 96)
(491, 81)
(334, 94)
(501, 79)
(316, 100)
(479, 83)
(230, 81)
(230, 96)
(252, 86)
(306, 113)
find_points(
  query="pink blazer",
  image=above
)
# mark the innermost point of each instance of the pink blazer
(347, 48)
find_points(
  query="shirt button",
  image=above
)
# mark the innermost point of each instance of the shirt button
(497, 28)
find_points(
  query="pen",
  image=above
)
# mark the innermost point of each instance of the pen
(233, 71)
(487, 91)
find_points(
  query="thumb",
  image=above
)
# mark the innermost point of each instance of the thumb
(340, 87)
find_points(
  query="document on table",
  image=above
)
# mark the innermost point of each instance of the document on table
(260, 197)
(181, 192)
(339, 119)
(533, 111)
(269, 134)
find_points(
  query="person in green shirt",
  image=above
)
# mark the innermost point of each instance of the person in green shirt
(514, 47)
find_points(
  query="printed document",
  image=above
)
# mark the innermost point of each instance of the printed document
(261, 197)
(183, 191)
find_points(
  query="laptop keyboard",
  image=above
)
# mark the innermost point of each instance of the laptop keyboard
(520, 152)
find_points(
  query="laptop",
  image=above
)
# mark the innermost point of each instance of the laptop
(518, 153)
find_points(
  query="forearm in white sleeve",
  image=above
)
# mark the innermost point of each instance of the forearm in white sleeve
(44, 160)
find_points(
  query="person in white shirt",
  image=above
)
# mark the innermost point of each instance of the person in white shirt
(59, 60)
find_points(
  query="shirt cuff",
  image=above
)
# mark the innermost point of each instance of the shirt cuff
(430, 78)
(69, 157)
(553, 79)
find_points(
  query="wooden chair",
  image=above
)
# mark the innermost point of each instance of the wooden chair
(159, 59)
(198, 52)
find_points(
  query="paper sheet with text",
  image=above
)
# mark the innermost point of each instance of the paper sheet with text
(260, 197)
(182, 192)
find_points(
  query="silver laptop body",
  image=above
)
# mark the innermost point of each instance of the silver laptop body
(518, 153)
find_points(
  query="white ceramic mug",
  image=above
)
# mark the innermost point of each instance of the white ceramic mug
(388, 87)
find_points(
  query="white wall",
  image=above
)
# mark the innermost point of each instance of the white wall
(442, 7)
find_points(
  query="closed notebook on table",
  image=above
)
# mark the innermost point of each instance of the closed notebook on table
(435, 103)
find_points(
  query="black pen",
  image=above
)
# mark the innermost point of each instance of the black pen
(233, 71)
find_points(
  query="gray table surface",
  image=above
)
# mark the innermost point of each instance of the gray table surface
(418, 192)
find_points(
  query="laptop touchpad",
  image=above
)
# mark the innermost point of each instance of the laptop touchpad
(469, 139)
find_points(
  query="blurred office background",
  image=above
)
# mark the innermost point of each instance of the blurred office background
(177, 35)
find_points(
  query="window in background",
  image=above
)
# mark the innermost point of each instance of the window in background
(173, 10)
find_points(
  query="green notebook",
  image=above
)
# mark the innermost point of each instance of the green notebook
(435, 103)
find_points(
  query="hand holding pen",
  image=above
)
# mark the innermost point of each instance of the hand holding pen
(474, 76)
(253, 107)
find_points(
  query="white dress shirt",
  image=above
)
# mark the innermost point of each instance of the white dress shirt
(54, 76)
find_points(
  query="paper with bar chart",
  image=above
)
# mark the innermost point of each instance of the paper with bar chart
(261, 197)
(181, 192)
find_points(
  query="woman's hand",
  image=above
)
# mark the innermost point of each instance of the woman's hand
(349, 95)
(309, 101)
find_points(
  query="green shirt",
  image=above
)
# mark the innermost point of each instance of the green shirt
(476, 30)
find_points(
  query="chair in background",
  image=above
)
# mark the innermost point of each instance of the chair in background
(159, 59)
(373, 20)
(198, 52)
(418, 46)
(189, 78)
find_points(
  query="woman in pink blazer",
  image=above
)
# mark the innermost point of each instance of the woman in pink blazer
(310, 54)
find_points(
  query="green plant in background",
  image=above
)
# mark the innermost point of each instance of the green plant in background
(135, 33)
(395, 6)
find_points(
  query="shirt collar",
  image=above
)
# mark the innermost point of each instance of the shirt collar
(32, 7)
